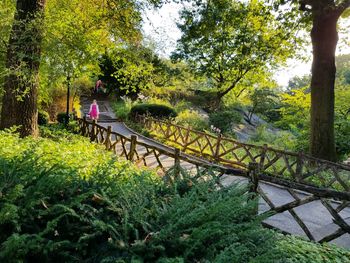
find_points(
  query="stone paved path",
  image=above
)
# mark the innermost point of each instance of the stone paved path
(315, 216)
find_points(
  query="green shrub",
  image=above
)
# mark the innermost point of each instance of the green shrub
(61, 117)
(342, 133)
(182, 106)
(192, 119)
(122, 109)
(224, 119)
(66, 200)
(43, 117)
(195, 227)
(279, 139)
(60, 204)
(154, 110)
(139, 128)
(291, 249)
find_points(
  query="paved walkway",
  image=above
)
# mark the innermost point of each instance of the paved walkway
(314, 215)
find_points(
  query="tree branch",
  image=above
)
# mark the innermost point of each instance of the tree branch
(224, 92)
(343, 6)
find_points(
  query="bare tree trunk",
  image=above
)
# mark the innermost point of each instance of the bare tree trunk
(324, 37)
(23, 60)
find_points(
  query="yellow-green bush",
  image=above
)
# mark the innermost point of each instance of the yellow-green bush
(192, 119)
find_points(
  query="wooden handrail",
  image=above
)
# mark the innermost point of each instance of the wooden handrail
(300, 192)
(302, 168)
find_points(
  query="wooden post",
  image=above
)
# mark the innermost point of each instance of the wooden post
(167, 130)
(93, 131)
(132, 147)
(217, 149)
(299, 169)
(253, 173)
(83, 127)
(186, 138)
(108, 137)
(177, 163)
(262, 157)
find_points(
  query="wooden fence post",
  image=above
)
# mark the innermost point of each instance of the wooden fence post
(167, 130)
(299, 169)
(108, 137)
(132, 147)
(217, 149)
(186, 139)
(253, 174)
(93, 131)
(177, 163)
(262, 157)
(83, 127)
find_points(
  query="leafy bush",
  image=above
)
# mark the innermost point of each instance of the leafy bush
(155, 110)
(192, 119)
(279, 139)
(139, 128)
(224, 119)
(182, 106)
(122, 109)
(158, 101)
(62, 205)
(61, 117)
(342, 133)
(291, 249)
(70, 201)
(43, 117)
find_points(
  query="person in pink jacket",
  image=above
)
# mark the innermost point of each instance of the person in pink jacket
(94, 110)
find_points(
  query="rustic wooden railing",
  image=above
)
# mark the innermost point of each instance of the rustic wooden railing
(259, 164)
(137, 151)
(295, 167)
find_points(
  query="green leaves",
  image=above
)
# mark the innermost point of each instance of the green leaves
(225, 40)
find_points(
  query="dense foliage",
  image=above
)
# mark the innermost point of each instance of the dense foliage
(58, 204)
(226, 40)
(154, 110)
(66, 200)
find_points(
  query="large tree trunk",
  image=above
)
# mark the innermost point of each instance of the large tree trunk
(324, 37)
(19, 107)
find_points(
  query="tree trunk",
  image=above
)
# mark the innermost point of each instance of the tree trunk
(19, 107)
(324, 37)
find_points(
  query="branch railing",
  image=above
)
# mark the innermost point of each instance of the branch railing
(296, 168)
(135, 150)
(216, 149)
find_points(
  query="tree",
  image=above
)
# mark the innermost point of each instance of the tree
(127, 71)
(324, 16)
(69, 46)
(225, 40)
(264, 101)
(7, 8)
(77, 33)
(298, 82)
(324, 35)
(23, 60)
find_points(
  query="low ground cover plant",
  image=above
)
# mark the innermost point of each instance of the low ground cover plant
(61, 204)
(63, 199)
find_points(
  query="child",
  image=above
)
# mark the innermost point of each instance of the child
(94, 110)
